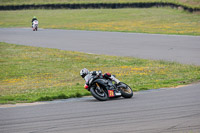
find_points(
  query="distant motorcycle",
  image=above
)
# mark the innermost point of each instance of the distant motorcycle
(103, 88)
(35, 25)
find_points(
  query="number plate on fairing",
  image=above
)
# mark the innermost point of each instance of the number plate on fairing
(111, 93)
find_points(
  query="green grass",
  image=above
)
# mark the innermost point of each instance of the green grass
(30, 74)
(151, 20)
(190, 3)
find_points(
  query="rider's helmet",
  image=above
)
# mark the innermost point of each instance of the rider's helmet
(34, 17)
(84, 72)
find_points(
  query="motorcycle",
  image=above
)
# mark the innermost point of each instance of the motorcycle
(102, 88)
(35, 25)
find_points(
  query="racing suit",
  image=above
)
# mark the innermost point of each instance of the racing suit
(33, 20)
(96, 73)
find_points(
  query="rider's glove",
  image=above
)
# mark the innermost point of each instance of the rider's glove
(86, 86)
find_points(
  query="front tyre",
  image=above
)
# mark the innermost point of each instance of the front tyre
(99, 94)
(126, 91)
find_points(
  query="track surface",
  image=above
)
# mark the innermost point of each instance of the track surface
(175, 110)
(159, 111)
(184, 49)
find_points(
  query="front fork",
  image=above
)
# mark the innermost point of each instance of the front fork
(98, 87)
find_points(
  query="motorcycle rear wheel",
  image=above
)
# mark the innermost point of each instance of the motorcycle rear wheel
(126, 92)
(101, 96)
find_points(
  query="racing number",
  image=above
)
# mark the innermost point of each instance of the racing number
(111, 93)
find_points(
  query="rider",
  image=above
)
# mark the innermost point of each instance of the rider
(88, 75)
(34, 18)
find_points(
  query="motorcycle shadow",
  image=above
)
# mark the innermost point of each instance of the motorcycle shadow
(92, 99)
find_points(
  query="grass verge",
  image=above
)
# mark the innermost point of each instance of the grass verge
(30, 74)
(152, 20)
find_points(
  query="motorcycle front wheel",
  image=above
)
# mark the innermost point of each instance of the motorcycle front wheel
(99, 94)
(126, 92)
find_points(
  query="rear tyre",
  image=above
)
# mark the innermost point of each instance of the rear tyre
(126, 92)
(99, 94)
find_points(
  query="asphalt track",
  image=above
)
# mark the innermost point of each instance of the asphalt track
(183, 49)
(172, 110)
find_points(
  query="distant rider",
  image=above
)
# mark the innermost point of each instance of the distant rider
(34, 18)
(88, 75)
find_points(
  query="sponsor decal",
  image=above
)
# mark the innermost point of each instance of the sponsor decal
(118, 94)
